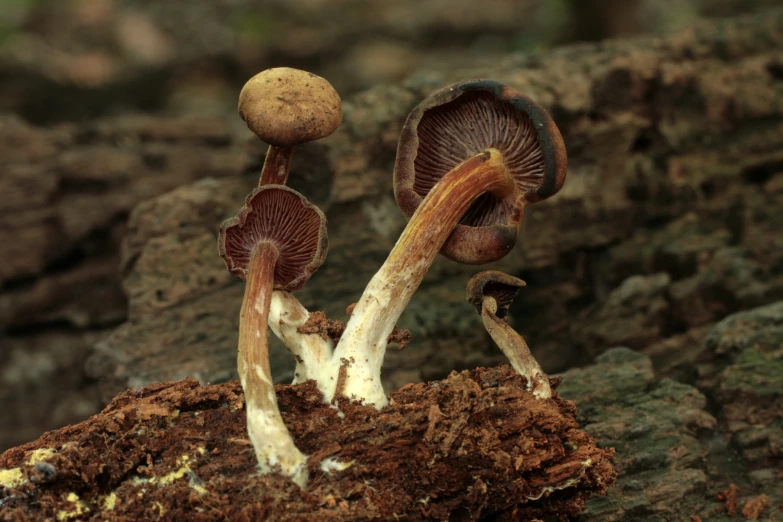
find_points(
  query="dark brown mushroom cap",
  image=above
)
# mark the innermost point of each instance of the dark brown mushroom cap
(283, 217)
(491, 283)
(461, 121)
(286, 107)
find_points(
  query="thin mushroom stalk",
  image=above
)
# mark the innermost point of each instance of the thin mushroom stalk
(275, 242)
(363, 344)
(491, 293)
(310, 351)
(271, 440)
(515, 348)
(277, 166)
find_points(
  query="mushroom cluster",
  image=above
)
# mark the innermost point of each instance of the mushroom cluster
(470, 158)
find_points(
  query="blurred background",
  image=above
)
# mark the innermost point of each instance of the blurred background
(118, 117)
(79, 59)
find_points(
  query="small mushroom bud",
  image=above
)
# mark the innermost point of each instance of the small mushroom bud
(276, 241)
(491, 293)
(287, 107)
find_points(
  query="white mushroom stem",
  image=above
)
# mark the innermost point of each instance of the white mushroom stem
(274, 448)
(363, 344)
(311, 351)
(516, 349)
(277, 165)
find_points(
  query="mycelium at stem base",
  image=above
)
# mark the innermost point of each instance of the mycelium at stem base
(363, 344)
(273, 445)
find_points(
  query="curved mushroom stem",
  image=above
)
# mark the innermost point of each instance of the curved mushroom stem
(516, 349)
(277, 165)
(271, 440)
(363, 344)
(311, 351)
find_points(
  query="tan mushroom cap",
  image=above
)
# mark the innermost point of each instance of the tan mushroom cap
(285, 107)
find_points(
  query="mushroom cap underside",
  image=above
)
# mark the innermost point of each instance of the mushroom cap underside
(498, 285)
(462, 121)
(284, 218)
(286, 107)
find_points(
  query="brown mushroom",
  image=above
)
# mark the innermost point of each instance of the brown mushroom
(286, 107)
(491, 293)
(470, 157)
(461, 122)
(276, 241)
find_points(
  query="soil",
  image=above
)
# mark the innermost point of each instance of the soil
(475, 446)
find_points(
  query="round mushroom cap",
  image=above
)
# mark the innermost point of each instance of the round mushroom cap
(461, 121)
(492, 283)
(285, 107)
(283, 217)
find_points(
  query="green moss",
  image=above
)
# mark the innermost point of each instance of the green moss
(255, 27)
(758, 369)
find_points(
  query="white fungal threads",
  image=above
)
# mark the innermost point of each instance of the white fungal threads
(331, 465)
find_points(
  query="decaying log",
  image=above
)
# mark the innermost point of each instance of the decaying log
(475, 444)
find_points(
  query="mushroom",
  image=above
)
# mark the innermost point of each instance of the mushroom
(287, 107)
(491, 293)
(470, 158)
(276, 241)
(467, 119)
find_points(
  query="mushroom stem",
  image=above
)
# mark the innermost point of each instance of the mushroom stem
(277, 165)
(311, 351)
(271, 440)
(363, 344)
(516, 349)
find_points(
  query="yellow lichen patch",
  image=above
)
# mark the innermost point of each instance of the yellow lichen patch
(161, 509)
(109, 502)
(11, 478)
(177, 474)
(182, 471)
(40, 455)
(198, 488)
(79, 508)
